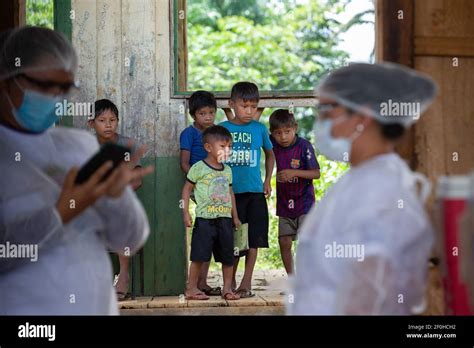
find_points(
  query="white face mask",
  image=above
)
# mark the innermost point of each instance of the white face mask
(335, 149)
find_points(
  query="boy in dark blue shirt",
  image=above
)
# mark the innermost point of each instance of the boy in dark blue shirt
(202, 108)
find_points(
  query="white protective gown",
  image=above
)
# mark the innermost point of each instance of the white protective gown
(73, 273)
(373, 208)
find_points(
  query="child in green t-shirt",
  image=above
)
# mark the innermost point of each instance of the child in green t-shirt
(211, 180)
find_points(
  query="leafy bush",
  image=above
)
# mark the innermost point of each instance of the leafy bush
(40, 13)
(330, 171)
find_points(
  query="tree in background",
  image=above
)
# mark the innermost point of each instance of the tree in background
(281, 45)
(39, 13)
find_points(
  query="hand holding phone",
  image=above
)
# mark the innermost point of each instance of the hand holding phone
(105, 181)
(108, 152)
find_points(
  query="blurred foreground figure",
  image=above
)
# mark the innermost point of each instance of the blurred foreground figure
(55, 235)
(364, 248)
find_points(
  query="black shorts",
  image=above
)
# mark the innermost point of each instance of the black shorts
(213, 236)
(252, 209)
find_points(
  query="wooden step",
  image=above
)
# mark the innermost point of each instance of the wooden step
(263, 303)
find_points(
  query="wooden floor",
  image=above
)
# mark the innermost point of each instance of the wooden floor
(263, 303)
(435, 293)
(268, 300)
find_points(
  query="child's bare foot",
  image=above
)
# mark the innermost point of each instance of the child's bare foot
(230, 295)
(196, 294)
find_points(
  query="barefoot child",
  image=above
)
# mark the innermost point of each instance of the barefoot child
(211, 180)
(105, 122)
(296, 168)
(202, 108)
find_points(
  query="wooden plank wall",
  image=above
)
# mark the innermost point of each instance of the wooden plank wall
(394, 43)
(435, 37)
(444, 49)
(444, 136)
(124, 55)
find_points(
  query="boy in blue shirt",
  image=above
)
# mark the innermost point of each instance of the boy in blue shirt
(202, 108)
(248, 138)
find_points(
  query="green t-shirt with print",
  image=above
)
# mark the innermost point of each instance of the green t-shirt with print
(211, 190)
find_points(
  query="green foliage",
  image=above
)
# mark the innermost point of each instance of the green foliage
(207, 12)
(40, 13)
(330, 172)
(288, 48)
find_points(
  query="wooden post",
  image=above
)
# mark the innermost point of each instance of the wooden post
(394, 43)
(182, 47)
(12, 14)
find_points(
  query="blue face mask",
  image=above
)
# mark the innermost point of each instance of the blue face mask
(335, 149)
(37, 111)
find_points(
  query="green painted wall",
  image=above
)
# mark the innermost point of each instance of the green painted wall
(164, 254)
(165, 251)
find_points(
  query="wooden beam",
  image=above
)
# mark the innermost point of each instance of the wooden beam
(12, 14)
(20, 13)
(394, 31)
(277, 103)
(182, 47)
(394, 43)
(444, 46)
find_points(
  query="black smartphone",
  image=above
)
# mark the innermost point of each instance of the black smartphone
(108, 152)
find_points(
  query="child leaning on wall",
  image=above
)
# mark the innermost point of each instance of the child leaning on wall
(105, 122)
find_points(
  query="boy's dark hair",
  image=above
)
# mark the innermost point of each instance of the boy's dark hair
(247, 91)
(282, 118)
(216, 133)
(102, 105)
(201, 99)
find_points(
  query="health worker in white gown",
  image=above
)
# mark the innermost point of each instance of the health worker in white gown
(71, 226)
(364, 248)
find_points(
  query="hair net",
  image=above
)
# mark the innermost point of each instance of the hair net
(389, 92)
(34, 49)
